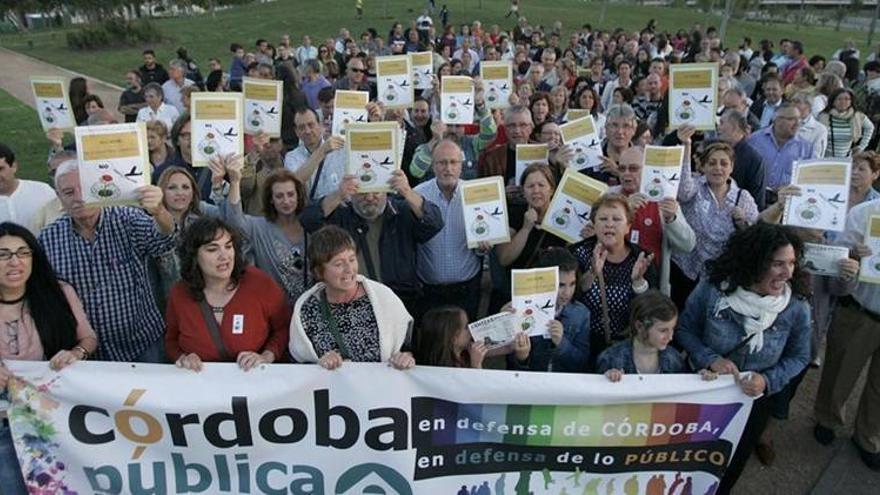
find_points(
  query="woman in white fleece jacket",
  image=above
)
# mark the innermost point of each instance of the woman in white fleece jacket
(346, 316)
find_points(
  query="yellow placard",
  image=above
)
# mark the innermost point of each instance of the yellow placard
(481, 193)
(692, 79)
(48, 90)
(457, 84)
(532, 152)
(576, 128)
(108, 146)
(582, 191)
(874, 229)
(835, 174)
(392, 66)
(422, 58)
(264, 92)
(352, 99)
(535, 282)
(662, 156)
(576, 113)
(214, 110)
(371, 140)
(495, 72)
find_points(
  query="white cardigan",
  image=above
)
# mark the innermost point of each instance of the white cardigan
(395, 323)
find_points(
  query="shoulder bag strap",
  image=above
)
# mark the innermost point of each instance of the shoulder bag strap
(603, 300)
(536, 250)
(334, 329)
(213, 329)
(315, 182)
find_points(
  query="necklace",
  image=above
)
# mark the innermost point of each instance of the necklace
(217, 309)
(14, 301)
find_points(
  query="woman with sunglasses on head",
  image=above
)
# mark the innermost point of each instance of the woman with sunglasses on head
(278, 240)
(41, 318)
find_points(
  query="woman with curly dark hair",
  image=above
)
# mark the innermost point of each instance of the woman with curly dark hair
(222, 309)
(751, 314)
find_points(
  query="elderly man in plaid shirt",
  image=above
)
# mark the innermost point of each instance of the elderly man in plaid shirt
(103, 252)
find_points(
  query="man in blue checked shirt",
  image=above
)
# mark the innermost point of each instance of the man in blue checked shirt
(448, 268)
(103, 252)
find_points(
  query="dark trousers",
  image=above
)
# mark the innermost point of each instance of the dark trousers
(755, 425)
(465, 295)
(682, 286)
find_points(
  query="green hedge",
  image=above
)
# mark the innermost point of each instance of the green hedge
(113, 32)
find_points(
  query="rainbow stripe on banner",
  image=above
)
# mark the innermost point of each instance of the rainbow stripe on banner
(444, 423)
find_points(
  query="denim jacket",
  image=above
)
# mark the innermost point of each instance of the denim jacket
(707, 334)
(620, 356)
(573, 350)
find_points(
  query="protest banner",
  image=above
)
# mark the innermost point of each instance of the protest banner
(824, 196)
(498, 83)
(870, 265)
(216, 126)
(372, 152)
(52, 103)
(692, 95)
(485, 211)
(394, 81)
(113, 162)
(100, 427)
(262, 106)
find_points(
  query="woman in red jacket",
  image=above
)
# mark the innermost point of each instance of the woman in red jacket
(223, 310)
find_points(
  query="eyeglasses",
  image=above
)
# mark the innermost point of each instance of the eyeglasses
(356, 70)
(447, 163)
(20, 253)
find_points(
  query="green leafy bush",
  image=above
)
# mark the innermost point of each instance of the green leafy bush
(114, 31)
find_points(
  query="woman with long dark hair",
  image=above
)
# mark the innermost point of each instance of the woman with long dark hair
(223, 309)
(751, 314)
(40, 317)
(77, 92)
(444, 340)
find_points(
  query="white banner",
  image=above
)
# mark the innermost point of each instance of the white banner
(294, 429)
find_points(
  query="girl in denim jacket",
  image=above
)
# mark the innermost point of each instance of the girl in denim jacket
(651, 324)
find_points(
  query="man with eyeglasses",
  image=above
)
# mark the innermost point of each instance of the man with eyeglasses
(52, 210)
(319, 163)
(421, 165)
(103, 253)
(658, 227)
(780, 147)
(355, 78)
(20, 200)
(387, 230)
(620, 127)
(449, 269)
(501, 160)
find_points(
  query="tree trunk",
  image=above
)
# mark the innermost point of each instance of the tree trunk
(728, 12)
(873, 25)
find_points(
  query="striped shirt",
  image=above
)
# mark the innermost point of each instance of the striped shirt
(110, 275)
(445, 258)
(840, 136)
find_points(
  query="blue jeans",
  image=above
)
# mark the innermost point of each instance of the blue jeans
(11, 481)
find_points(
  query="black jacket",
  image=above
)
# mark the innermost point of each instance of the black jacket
(402, 231)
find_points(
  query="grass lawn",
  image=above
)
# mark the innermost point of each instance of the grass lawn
(206, 37)
(20, 130)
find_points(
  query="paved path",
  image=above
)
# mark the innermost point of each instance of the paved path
(18, 68)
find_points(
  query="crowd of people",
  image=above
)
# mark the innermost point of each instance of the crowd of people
(275, 256)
